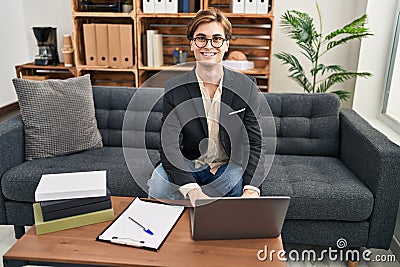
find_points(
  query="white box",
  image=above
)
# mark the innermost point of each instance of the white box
(262, 6)
(150, 52)
(71, 185)
(159, 6)
(148, 6)
(250, 6)
(158, 55)
(238, 6)
(171, 6)
(238, 64)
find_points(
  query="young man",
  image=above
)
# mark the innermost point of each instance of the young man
(211, 138)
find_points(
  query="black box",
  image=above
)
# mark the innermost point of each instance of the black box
(53, 205)
(92, 207)
(94, 6)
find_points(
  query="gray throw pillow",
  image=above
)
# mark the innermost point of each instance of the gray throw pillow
(58, 116)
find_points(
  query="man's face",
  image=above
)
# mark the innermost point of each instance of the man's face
(208, 54)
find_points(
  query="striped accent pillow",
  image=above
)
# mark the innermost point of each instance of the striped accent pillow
(58, 116)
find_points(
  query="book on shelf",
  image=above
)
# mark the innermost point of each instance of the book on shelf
(71, 185)
(188, 6)
(194, 6)
(43, 227)
(144, 49)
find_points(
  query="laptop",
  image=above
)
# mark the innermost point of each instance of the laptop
(238, 218)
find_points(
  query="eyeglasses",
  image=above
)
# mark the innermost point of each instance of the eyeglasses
(216, 42)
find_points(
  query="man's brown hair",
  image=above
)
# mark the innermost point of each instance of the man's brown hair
(209, 15)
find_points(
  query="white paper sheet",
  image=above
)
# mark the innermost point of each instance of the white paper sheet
(159, 218)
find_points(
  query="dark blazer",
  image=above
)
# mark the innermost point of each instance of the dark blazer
(185, 128)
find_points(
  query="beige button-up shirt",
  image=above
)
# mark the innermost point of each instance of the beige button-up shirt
(215, 155)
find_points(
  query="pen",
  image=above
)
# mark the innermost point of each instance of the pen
(144, 228)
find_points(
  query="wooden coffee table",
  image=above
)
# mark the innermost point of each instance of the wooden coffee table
(78, 247)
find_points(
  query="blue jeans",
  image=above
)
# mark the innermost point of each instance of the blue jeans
(227, 181)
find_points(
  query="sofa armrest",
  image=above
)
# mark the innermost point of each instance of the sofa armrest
(11, 144)
(375, 160)
(11, 152)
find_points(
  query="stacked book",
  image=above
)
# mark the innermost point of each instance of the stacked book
(70, 200)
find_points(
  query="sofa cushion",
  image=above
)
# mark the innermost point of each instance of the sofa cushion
(112, 103)
(58, 116)
(20, 182)
(306, 124)
(321, 188)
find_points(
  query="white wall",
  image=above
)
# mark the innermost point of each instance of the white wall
(57, 13)
(54, 13)
(18, 44)
(374, 54)
(393, 107)
(13, 48)
(335, 14)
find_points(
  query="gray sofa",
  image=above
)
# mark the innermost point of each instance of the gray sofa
(341, 174)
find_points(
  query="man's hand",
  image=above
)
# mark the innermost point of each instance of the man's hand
(196, 194)
(250, 193)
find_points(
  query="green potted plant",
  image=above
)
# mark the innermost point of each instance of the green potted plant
(127, 6)
(313, 45)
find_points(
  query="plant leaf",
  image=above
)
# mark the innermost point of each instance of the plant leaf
(308, 51)
(331, 69)
(344, 40)
(296, 70)
(341, 77)
(323, 87)
(343, 95)
(325, 69)
(299, 26)
(353, 30)
(355, 27)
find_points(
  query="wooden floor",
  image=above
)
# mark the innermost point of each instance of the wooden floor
(7, 240)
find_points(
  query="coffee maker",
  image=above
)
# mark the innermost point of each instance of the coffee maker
(47, 43)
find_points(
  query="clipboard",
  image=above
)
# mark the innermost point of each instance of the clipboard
(143, 224)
